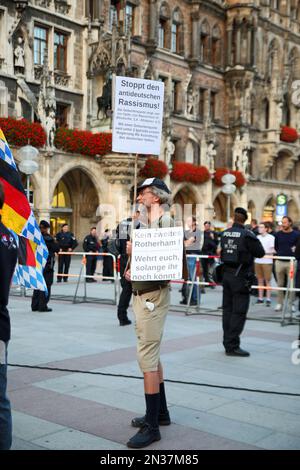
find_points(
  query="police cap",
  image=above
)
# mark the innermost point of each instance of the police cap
(44, 224)
(241, 210)
(154, 182)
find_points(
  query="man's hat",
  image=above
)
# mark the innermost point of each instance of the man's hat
(153, 182)
(241, 210)
(44, 223)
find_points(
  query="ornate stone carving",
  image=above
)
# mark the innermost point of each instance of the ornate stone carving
(43, 3)
(119, 168)
(61, 78)
(62, 6)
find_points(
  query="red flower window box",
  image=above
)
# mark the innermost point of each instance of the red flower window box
(220, 172)
(288, 134)
(83, 142)
(19, 132)
(154, 168)
(191, 173)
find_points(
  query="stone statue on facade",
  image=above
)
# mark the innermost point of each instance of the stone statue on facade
(19, 54)
(240, 149)
(169, 151)
(50, 129)
(210, 156)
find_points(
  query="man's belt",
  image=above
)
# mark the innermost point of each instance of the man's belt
(146, 291)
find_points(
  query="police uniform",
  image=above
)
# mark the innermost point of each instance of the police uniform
(122, 236)
(239, 248)
(66, 241)
(8, 259)
(90, 244)
(40, 299)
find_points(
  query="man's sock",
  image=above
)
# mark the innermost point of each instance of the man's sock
(152, 409)
(163, 401)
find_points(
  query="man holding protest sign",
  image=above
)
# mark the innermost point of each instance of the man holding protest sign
(150, 285)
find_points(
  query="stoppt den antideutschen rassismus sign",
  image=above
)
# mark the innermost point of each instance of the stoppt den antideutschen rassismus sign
(137, 115)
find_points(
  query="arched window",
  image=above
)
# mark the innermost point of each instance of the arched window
(164, 30)
(216, 46)
(61, 196)
(205, 42)
(177, 32)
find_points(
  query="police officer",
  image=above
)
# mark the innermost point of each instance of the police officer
(91, 245)
(239, 247)
(66, 242)
(8, 259)
(40, 299)
(122, 236)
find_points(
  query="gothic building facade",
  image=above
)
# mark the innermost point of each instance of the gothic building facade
(231, 71)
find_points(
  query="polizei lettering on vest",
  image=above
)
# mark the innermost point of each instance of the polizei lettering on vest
(232, 234)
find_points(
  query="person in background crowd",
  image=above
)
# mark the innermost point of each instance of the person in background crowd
(108, 265)
(123, 235)
(239, 247)
(192, 243)
(285, 245)
(66, 242)
(209, 247)
(8, 260)
(263, 266)
(254, 226)
(40, 299)
(91, 245)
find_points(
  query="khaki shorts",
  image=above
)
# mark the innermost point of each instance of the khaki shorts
(149, 326)
(263, 271)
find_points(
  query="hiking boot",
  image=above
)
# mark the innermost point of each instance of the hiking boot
(163, 420)
(144, 437)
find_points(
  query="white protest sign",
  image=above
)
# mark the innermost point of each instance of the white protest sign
(157, 254)
(137, 116)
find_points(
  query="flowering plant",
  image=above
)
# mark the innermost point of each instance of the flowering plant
(240, 179)
(189, 172)
(288, 134)
(154, 168)
(19, 132)
(83, 142)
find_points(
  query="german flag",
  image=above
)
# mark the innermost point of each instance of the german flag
(18, 217)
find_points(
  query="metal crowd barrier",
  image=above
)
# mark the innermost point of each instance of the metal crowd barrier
(80, 278)
(188, 309)
(286, 317)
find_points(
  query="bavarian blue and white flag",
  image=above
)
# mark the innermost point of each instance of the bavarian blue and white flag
(18, 217)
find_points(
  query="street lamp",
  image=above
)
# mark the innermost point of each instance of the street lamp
(229, 188)
(28, 156)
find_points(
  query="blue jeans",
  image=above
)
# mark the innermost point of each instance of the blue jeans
(5, 410)
(191, 262)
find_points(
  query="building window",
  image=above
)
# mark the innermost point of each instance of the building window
(164, 26)
(61, 197)
(201, 103)
(286, 113)
(216, 46)
(60, 51)
(174, 37)
(40, 44)
(113, 16)
(266, 113)
(129, 18)
(162, 33)
(204, 42)
(213, 104)
(61, 115)
(175, 93)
